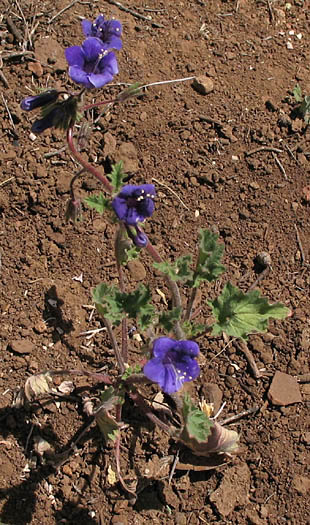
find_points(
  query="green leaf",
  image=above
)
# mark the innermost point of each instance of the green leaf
(117, 176)
(238, 314)
(131, 253)
(209, 267)
(109, 303)
(137, 305)
(179, 270)
(297, 93)
(168, 319)
(114, 305)
(136, 369)
(193, 329)
(98, 202)
(304, 109)
(197, 425)
(130, 91)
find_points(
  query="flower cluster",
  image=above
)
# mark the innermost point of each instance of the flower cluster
(93, 64)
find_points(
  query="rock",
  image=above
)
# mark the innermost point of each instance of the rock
(301, 484)
(109, 144)
(36, 68)
(203, 85)
(284, 390)
(233, 490)
(22, 346)
(128, 154)
(137, 270)
(213, 394)
(49, 51)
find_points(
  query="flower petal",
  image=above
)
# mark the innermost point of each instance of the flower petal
(79, 76)
(87, 27)
(187, 347)
(74, 56)
(109, 62)
(100, 80)
(154, 370)
(162, 345)
(92, 47)
(187, 369)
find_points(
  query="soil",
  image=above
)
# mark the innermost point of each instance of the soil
(236, 159)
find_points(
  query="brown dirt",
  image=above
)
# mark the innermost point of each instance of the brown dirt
(197, 146)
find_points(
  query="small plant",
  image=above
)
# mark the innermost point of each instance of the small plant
(304, 103)
(170, 353)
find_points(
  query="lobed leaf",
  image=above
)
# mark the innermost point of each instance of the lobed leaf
(209, 267)
(117, 176)
(168, 319)
(98, 202)
(239, 314)
(179, 270)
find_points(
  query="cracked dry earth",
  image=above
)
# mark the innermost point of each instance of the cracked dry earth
(237, 159)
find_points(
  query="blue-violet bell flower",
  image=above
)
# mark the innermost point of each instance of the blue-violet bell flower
(90, 64)
(37, 101)
(173, 363)
(109, 31)
(134, 204)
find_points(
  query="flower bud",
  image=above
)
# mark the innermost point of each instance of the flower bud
(37, 101)
(140, 240)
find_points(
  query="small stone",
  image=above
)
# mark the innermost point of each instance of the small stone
(203, 85)
(213, 394)
(109, 144)
(137, 270)
(301, 484)
(119, 520)
(67, 470)
(284, 390)
(22, 346)
(36, 68)
(40, 327)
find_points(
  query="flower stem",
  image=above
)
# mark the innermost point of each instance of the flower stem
(174, 289)
(118, 355)
(97, 104)
(118, 238)
(86, 165)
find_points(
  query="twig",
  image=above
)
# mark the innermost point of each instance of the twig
(261, 276)
(28, 437)
(270, 11)
(279, 164)
(62, 11)
(303, 378)
(3, 78)
(303, 259)
(115, 346)
(6, 181)
(236, 417)
(13, 29)
(173, 192)
(262, 148)
(53, 153)
(8, 111)
(134, 13)
(292, 154)
(173, 467)
(250, 359)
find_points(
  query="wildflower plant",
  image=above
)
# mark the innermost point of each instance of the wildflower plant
(171, 353)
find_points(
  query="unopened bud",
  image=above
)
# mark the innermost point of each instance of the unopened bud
(37, 101)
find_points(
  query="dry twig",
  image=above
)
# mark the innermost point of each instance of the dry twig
(134, 13)
(173, 192)
(303, 259)
(263, 148)
(279, 164)
(236, 417)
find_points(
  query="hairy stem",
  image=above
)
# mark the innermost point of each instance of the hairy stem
(118, 239)
(86, 165)
(174, 289)
(118, 355)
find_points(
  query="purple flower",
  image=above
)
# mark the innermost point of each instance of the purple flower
(173, 363)
(90, 65)
(37, 101)
(134, 204)
(109, 31)
(139, 238)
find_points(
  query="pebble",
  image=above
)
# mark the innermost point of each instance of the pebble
(137, 270)
(301, 484)
(284, 390)
(36, 68)
(22, 346)
(203, 85)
